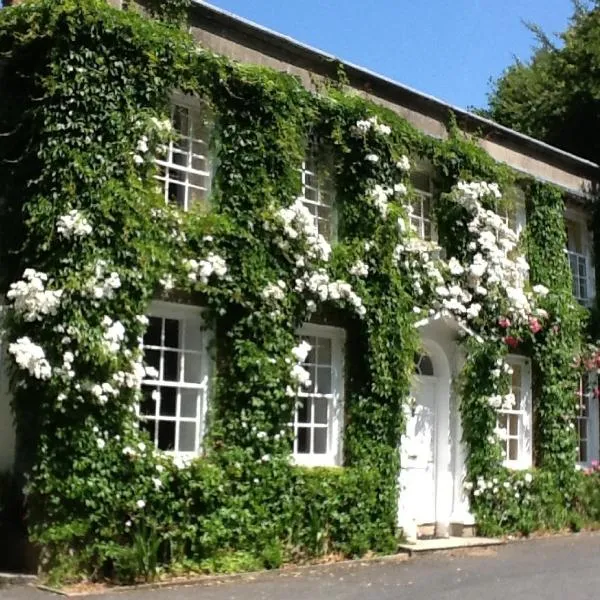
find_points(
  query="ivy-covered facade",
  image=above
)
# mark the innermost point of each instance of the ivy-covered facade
(252, 318)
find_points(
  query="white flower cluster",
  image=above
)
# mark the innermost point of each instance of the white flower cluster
(132, 379)
(492, 265)
(319, 284)
(203, 269)
(380, 196)
(103, 392)
(298, 373)
(274, 291)
(501, 367)
(298, 222)
(364, 126)
(162, 125)
(102, 285)
(359, 269)
(31, 357)
(505, 402)
(73, 224)
(113, 336)
(140, 150)
(493, 487)
(30, 298)
(403, 164)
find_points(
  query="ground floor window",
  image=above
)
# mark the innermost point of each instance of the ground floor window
(514, 419)
(174, 403)
(318, 415)
(587, 419)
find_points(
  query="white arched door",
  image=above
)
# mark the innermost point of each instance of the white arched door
(418, 447)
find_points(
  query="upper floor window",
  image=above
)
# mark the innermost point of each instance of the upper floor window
(318, 415)
(174, 404)
(515, 422)
(511, 209)
(587, 419)
(318, 191)
(421, 217)
(578, 252)
(185, 170)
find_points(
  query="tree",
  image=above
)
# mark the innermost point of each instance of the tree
(556, 95)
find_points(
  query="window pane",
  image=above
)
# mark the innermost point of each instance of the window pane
(420, 181)
(324, 380)
(303, 441)
(304, 410)
(513, 449)
(171, 333)
(152, 335)
(320, 440)
(187, 437)
(166, 435)
(168, 401)
(192, 367)
(189, 403)
(148, 405)
(427, 230)
(170, 366)
(320, 407)
(149, 428)
(324, 351)
(310, 359)
(513, 424)
(152, 358)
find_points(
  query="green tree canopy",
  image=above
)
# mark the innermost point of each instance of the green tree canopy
(555, 96)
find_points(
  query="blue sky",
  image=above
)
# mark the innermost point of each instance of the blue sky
(445, 48)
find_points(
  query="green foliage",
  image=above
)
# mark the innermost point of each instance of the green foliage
(554, 96)
(174, 12)
(87, 82)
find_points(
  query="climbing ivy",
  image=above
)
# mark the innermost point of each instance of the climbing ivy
(90, 87)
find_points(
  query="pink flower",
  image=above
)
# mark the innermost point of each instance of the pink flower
(534, 325)
(504, 322)
(511, 341)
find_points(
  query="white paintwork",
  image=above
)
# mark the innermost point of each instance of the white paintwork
(334, 457)
(431, 484)
(417, 454)
(7, 430)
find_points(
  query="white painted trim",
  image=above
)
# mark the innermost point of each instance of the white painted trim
(525, 460)
(336, 419)
(173, 310)
(587, 243)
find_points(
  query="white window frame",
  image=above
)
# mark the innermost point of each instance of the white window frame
(325, 187)
(418, 220)
(333, 456)
(591, 420)
(524, 413)
(198, 111)
(584, 256)
(194, 315)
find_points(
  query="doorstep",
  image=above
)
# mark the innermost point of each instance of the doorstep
(7, 579)
(450, 543)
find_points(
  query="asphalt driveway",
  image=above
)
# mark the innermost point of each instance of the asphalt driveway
(558, 568)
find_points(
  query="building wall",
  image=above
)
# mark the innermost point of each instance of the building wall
(245, 44)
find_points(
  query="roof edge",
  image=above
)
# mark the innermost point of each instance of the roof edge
(307, 52)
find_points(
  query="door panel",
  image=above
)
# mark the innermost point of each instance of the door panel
(417, 455)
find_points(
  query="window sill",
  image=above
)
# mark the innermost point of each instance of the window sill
(316, 461)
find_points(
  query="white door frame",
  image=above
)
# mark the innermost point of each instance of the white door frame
(443, 469)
